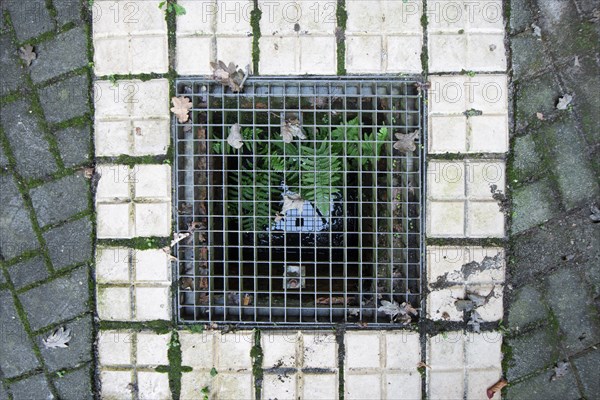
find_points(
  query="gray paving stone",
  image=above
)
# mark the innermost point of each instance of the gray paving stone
(529, 57)
(65, 99)
(3, 392)
(574, 310)
(16, 353)
(70, 243)
(551, 246)
(536, 95)
(587, 368)
(30, 18)
(79, 350)
(75, 385)
(66, 52)
(576, 180)
(583, 81)
(588, 6)
(28, 272)
(31, 150)
(521, 16)
(533, 204)
(67, 11)
(526, 307)
(543, 387)
(12, 74)
(527, 163)
(56, 201)
(33, 388)
(59, 300)
(16, 235)
(532, 351)
(75, 145)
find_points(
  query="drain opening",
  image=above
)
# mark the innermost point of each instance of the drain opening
(319, 228)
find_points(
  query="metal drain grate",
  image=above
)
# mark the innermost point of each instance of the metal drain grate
(317, 231)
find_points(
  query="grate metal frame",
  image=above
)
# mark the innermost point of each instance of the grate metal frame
(214, 272)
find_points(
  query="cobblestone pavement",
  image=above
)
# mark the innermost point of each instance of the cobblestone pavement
(554, 267)
(46, 217)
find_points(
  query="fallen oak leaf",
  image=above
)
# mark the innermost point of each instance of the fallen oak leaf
(595, 213)
(560, 370)
(406, 142)
(563, 102)
(496, 387)
(178, 237)
(421, 364)
(290, 129)
(235, 138)
(59, 338)
(540, 116)
(181, 107)
(27, 54)
(247, 300)
(292, 202)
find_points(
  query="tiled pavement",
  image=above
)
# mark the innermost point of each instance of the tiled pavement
(458, 46)
(46, 217)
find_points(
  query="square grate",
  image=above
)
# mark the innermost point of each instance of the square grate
(316, 219)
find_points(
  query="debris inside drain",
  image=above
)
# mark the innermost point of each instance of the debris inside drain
(301, 199)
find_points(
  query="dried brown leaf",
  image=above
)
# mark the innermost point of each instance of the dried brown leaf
(564, 102)
(235, 138)
(406, 142)
(181, 108)
(59, 338)
(247, 300)
(560, 370)
(27, 54)
(421, 364)
(290, 129)
(496, 387)
(292, 202)
(540, 116)
(279, 216)
(229, 75)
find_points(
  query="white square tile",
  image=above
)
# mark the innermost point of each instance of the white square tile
(152, 181)
(109, 99)
(363, 54)
(279, 349)
(441, 304)
(493, 310)
(112, 265)
(446, 218)
(317, 55)
(151, 266)
(148, 99)
(234, 386)
(234, 350)
(197, 349)
(363, 19)
(152, 303)
(403, 350)
(445, 385)
(114, 303)
(114, 183)
(488, 93)
(320, 350)
(484, 350)
(151, 137)
(236, 49)
(114, 347)
(362, 350)
(488, 134)
(152, 349)
(112, 138)
(446, 16)
(106, 18)
(446, 351)
(359, 387)
(449, 94)
(320, 386)
(116, 385)
(199, 17)
(403, 386)
(149, 54)
(446, 262)
(279, 55)
(478, 381)
(111, 55)
(486, 53)
(152, 219)
(145, 17)
(404, 54)
(279, 386)
(485, 220)
(193, 55)
(153, 386)
(447, 133)
(482, 176)
(446, 180)
(233, 17)
(447, 52)
(113, 221)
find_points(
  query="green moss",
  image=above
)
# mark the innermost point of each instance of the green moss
(586, 40)
(484, 242)
(174, 355)
(424, 52)
(255, 16)
(257, 360)
(139, 243)
(131, 160)
(341, 16)
(157, 326)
